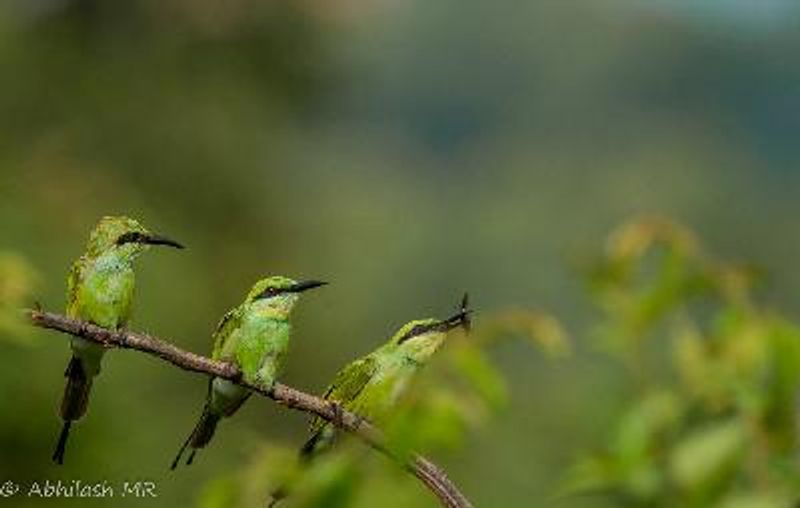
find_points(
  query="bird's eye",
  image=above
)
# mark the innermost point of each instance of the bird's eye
(130, 236)
(269, 292)
(414, 332)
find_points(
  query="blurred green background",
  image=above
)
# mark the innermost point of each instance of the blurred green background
(404, 151)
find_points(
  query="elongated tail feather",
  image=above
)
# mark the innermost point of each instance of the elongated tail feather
(205, 429)
(200, 436)
(61, 446)
(73, 403)
(310, 446)
(76, 393)
(319, 442)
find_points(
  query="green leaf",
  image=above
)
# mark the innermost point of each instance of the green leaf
(708, 455)
(437, 419)
(17, 282)
(758, 500)
(473, 365)
(540, 328)
(589, 474)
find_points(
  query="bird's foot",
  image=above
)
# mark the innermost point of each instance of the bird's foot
(338, 414)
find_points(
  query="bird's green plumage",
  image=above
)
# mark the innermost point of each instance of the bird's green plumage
(256, 342)
(100, 289)
(255, 337)
(372, 385)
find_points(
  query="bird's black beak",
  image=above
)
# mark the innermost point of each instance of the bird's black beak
(152, 239)
(461, 318)
(305, 285)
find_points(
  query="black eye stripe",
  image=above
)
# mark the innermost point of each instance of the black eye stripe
(129, 237)
(270, 292)
(416, 331)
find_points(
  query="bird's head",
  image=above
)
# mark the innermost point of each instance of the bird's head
(124, 237)
(276, 296)
(421, 338)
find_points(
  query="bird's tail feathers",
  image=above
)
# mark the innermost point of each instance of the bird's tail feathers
(309, 448)
(73, 403)
(61, 446)
(201, 435)
(76, 393)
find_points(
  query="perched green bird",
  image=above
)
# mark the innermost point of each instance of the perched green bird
(372, 385)
(100, 289)
(254, 336)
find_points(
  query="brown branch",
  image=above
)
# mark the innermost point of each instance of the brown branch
(431, 475)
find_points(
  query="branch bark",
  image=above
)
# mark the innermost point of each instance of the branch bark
(426, 471)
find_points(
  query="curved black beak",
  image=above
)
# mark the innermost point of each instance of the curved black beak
(461, 318)
(305, 285)
(153, 239)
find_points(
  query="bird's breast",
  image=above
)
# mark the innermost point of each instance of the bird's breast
(104, 295)
(261, 344)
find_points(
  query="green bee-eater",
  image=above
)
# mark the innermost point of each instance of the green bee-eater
(100, 289)
(255, 337)
(372, 385)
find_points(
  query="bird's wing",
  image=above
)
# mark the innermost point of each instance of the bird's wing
(228, 323)
(347, 384)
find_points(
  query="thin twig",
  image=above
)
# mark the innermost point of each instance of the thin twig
(431, 475)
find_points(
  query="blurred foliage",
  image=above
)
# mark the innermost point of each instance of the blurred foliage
(18, 279)
(458, 393)
(541, 328)
(405, 151)
(714, 376)
(331, 482)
